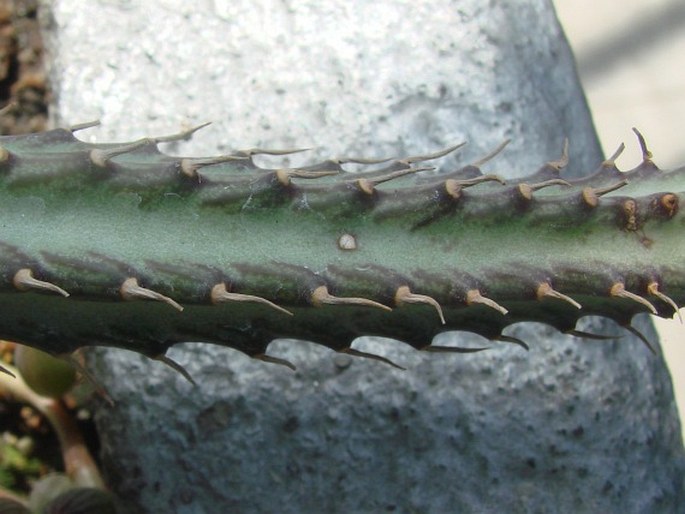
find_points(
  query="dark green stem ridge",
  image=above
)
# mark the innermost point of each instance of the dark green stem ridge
(123, 245)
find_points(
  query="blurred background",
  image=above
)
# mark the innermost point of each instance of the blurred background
(630, 57)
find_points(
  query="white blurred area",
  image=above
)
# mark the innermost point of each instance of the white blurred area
(630, 60)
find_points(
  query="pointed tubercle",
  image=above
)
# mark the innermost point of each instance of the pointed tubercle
(220, 294)
(591, 195)
(181, 136)
(130, 290)
(24, 281)
(562, 161)
(611, 161)
(100, 156)
(653, 289)
(320, 296)
(545, 290)
(479, 180)
(368, 185)
(526, 190)
(404, 295)
(646, 154)
(190, 166)
(618, 290)
(473, 297)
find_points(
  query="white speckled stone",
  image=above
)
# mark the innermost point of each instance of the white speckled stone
(571, 426)
(375, 79)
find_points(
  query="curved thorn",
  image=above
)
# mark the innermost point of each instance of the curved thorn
(175, 366)
(266, 151)
(130, 290)
(183, 135)
(549, 183)
(83, 126)
(591, 195)
(526, 190)
(474, 297)
(494, 153)
(452, 349)
(100, 156)
(220, 294)
(618, 290)
(321, 296)
(431, 156)
(275, 360)
(512, 339)
(285, 174)
(190, 165)
(479, 180)
(360, 160)
(23, 280)
(358, 353)
(545, 290)
(368, 185)
(404, 295)
(599, 191)
(298, 173)
(641, 337)
(562, 162)
(611, 161)
(646, 154)
(653, 289)
(590, 335)
(327, 165)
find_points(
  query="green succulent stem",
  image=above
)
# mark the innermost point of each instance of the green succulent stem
(122, 245)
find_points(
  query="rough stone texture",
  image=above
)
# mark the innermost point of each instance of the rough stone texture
(571, 426)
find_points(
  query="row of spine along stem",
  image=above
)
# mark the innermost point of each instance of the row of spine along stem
(333, 290)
